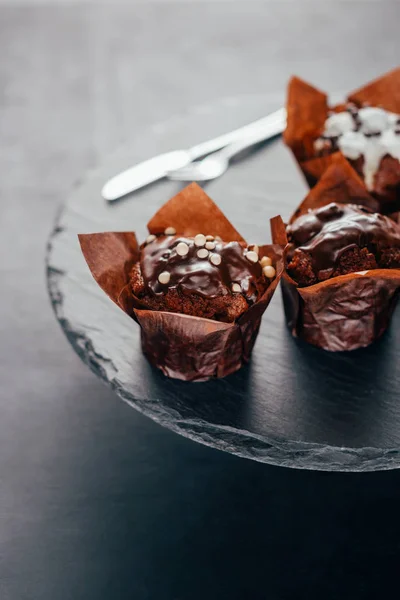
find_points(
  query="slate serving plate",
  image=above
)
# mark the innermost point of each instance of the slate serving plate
(294, 405)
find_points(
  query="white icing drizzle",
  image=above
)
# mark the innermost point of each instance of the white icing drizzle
(339, 123)
(373, 119)
(390, 141)
(352, 144)
(369, 133)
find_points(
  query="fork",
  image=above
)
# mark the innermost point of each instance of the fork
(216, 164)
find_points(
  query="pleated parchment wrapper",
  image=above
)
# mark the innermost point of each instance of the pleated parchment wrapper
(183, 347)
(307, 111)
(345, 312)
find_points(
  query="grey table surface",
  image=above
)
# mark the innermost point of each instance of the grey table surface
(96, 501)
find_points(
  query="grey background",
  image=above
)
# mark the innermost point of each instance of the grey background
(95, 500)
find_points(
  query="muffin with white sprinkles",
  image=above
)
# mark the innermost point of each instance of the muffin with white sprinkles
(196, 288)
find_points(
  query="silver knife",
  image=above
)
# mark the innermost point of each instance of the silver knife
(156, 168)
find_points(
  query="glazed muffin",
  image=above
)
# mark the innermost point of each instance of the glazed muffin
(195, 287)
(363, 132)
(200, 276)
(341, 277)
(369, 137)
(338, 239)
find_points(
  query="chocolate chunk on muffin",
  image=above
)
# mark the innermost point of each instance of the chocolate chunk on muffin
(338, 239)
(200, 276)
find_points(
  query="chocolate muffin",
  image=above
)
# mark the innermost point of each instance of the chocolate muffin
(369, 137)
(338, 239)
(200, 276)
(198, 299)
(363, 133)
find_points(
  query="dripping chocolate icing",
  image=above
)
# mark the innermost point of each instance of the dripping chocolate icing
(191, 274)
(326, 233)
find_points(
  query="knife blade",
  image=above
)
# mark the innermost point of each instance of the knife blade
(144, 173)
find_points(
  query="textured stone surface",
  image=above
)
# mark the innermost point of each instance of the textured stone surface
(293, 405)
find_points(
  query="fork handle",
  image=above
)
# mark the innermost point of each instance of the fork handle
(233, 136)
(266, 132)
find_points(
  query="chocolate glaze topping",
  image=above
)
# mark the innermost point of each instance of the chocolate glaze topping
(191, 274)
(326, 233)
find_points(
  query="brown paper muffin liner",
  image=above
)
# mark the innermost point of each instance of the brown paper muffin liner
(307, 111)
(182, 346)
(341, 313)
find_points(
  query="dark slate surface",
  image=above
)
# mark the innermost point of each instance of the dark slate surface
(96, 500)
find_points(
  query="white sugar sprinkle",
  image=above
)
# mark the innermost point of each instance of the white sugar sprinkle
(219, 239)
(236, 287)
(150, 238)
(215, 259)
(202, 253)
(210, 245)
(319, 144)
(209, 237)
(170, 231)
(182, 249)
(252, 256)
(164, 277)
(265, 261)
(269, 272)
(200, 239)
(255, 248)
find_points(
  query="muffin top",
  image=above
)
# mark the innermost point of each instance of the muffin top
(207, 267)
(192, 274)
(340, 238)
(368, 134)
